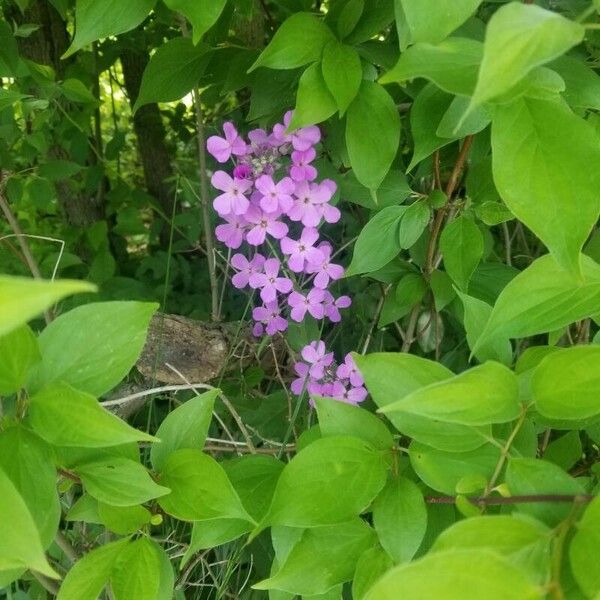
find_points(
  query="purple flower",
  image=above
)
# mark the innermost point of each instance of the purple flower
(269, 282)
(325, 270)
(302, 139)
(348, 370)
(301, 381)
(309, 199)
(268, 315)
(233, 199)
(223, 148)
(260, 139)
(311, 303)
(302, 252)
(242, 171)
(231, 233)
(245, 268)
(314, 354)
(301, 169)
(275, 196)
(350, 395)
(262, 224)
(332, 305)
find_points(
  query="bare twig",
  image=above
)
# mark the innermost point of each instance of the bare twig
(524, 499)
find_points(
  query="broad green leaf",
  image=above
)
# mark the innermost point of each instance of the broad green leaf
(371, 565)
(330, 481)
(123, 520)
(21, 545)
(64, 416)
(88, 576)
(442, 289)
(409, 291)
(22, 299)
(342, 73)
(442, 471)
(414, 221)
(202, 15)
(520, 37)
(9, 51)
(94, 20)
(212, 533)
(457, 575)
(546, 164)
(582, 83)
(136, 571)
(18, 353)
(461, 244)
(372, 134)
(377, 15)
(565, 451)
(477, 314)
(583, 547)
(119, 482)
(324, 557)
(531, 476)
(27, 461)
(544, 297)
(378, 242)
(314, 102)
(200, 488)
(349, 16)
(93, 347)
(393, 190)
(339, 418)
(85, 509)
(298, 41)
(400, 518)
(185, 427)
(9, 97)
(392, 376)
(173, 70)
(566, 384)
(433, 20)
(452, 65)
(485, 394)
(454, 126)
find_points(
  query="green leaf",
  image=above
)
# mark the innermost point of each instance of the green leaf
(349, 17)
(330, 481)
(26, 461)
(409, 291)
(433, 20)
(531, 476)
(200, 488)
(174, 69)
(342, 72)
(377, 15)
(452, 65)
(371, 565)
(372, 134)
(413, 224)
(328, 553)
(339, 418)
(582, 83)
(378, 241)
(298, 41)
(443, 471)
(18, 353)
(314, 103)
(566, 384)
(136, 571)
(185, 427)
(442, 288)
(93, 347)
(546, 164)
(76, 91)
(477, 314)
(21, 546)
(119, 482)
(520, 37)
(565, 451)
(544, 297)
(393, 190)
(464, 574)
(88, 576)
(202, 15)
(461, 244)
(21, 298)
(123, 520)
(213, 533)
(411, 373)
(400, 518)
(94, 21)
(65, 416)
(485, 394)
(9, 97)
(454, 126)
(583, 547)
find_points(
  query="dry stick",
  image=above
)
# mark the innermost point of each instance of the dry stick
(410, 329)
(375, 319)
(524, 499)
(441, 214)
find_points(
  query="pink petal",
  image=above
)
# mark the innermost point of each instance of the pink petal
(277, 229)
(219, 148)
(221, 181)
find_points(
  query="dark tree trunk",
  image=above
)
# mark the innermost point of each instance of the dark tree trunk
(150, 133)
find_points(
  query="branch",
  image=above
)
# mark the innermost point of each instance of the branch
(525, 499)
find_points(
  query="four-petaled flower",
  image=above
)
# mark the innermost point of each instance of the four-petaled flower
(302, 252)
(275, 196)
(301, 169)
(314, 354)
(348, 370)
(311, 303)
(325, 270)
(269, 281)
(231, 233)
(245, 268)
(233, 199)
(307, 207)
(332, 306)
(262, 224)
(269, 317)
(223, 148)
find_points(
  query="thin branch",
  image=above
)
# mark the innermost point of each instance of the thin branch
(47, 583)
(63, 543)
(525, 499)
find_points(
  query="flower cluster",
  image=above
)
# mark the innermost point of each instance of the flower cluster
(273, 202)
(320, 376)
